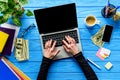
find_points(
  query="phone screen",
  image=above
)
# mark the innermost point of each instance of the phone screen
(107, 33)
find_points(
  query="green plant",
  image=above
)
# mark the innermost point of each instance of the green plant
(13, 9)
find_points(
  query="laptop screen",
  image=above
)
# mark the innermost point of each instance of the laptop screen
(56, 18)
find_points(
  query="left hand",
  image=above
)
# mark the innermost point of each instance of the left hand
(50, 51)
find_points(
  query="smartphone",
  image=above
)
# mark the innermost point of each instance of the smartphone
(107, 33)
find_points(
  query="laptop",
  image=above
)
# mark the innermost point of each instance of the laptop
(57, 22)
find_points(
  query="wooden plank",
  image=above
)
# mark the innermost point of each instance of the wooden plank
(75, 76)
(81, 11)
(66, 67)
(48, 3)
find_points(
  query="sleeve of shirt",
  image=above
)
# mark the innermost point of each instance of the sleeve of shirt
(42, 75)
(88, 71)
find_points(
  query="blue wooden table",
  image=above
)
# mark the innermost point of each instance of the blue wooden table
(68, 69)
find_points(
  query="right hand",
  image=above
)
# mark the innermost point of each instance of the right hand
(70, 46)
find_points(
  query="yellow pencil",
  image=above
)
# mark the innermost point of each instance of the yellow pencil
(113, 10)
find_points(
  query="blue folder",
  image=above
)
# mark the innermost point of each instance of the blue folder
(6, 73)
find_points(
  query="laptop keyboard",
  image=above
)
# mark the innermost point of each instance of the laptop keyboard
(60, 36)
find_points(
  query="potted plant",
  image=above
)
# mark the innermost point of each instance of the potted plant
(13, 9)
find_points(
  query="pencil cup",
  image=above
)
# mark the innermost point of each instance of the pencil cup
(108, 12)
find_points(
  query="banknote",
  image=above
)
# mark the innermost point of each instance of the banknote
(21, 49)
(97, 38)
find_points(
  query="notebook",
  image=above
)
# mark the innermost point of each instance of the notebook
(10, 26)
(3, 39)
(57, 22)
(6, 73)
(8, 46)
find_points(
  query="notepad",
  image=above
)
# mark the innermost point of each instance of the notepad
(6, 73)
(3, 39)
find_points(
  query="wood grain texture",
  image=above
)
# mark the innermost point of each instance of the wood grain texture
(68, 69)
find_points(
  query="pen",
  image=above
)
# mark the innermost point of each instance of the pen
(93, 63)
(107, 7)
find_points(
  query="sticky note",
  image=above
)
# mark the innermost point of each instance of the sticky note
(103, 53)
(3, 39)
(108, 65)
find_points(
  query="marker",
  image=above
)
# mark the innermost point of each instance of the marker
(93, 63)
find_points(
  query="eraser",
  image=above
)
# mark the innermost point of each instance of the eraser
(108, 66)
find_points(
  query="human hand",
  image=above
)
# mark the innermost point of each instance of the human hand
(70, 46)
(50, 51)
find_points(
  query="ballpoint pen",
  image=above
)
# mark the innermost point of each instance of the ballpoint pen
(88, 59)
(107, 7)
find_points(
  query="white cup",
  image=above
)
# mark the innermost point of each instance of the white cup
(91, 21)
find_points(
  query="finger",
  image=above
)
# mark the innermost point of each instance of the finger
(72, 39)
(67, 38)
(50, 42)
(53, 46)
(46, 44)
(66, 44)
(66, 49)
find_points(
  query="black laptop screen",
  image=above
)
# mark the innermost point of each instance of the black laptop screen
(57, 18)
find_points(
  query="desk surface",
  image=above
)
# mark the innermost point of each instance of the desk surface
(68, 69)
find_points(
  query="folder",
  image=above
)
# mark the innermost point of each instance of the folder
(8, 46)
(3, 39)
(16, 70)
(6, 73)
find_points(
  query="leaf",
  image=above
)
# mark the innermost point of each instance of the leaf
(23, 2)
(8, 11)
(19, 13)
(11, 4)
(4, 18)
(4, 1)
(3, 6)
(17, 6)
(16, 21)
(29, 13)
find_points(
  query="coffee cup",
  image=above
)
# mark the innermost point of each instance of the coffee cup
(91, 21)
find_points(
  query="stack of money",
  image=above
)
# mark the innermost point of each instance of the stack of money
(97, 38)
(21, 49)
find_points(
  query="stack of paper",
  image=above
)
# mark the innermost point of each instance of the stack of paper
(103, 53)
(10, 72)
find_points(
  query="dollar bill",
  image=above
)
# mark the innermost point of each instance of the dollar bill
(21, 49)
(97, 38)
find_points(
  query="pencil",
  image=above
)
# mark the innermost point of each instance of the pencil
(94, 63)
(112, 9)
